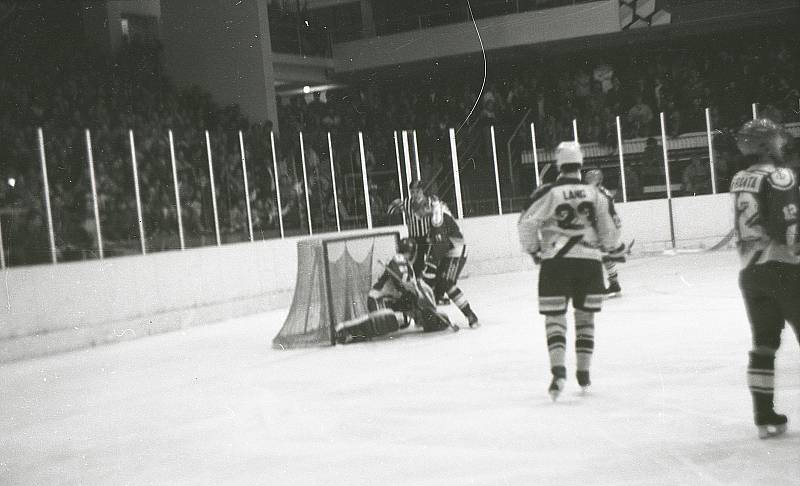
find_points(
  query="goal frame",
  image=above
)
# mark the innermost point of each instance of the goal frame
(328, 288)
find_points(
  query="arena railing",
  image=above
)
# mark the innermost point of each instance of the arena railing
(435, 18)
(342, 182)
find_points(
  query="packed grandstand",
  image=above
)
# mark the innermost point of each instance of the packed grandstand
(700, 84)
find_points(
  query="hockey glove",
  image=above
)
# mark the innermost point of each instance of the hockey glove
(616, 255)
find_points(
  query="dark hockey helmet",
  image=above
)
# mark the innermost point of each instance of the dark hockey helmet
(421, 206)
(761, 137)
(418, 185)
(418, 191)
(724, 142)
(594, 176)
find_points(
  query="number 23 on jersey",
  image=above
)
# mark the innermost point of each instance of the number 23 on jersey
(577, 217)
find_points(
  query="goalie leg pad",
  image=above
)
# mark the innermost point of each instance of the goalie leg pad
(374, 324)
(384, 322)
(433, 321)
(383, 303)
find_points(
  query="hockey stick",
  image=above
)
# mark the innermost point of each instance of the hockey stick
(619, 255)
(422, 298)
(724, 241)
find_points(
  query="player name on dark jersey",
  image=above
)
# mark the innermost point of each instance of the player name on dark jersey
(766, 202)
(747, 181)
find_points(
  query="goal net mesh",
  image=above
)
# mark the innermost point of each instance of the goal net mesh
(334, 276)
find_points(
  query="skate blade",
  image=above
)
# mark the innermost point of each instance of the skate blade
(613, 295)
(585, 390)
(767, 431)
(554, 394)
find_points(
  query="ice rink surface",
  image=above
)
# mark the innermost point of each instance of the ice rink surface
(217, 405)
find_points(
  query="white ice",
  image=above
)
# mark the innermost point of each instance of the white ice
(217, 405)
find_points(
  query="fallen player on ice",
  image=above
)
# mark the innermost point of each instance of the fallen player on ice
(396, 300)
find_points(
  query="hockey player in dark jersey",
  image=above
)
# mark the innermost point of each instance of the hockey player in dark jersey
(567, 228)
(396, 298)
(766, 203)
(446, 254)
(595, 178)
(418, 229)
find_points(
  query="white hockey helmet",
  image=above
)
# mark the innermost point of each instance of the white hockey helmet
(568, 153)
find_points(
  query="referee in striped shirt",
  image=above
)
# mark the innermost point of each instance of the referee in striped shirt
(417, 226)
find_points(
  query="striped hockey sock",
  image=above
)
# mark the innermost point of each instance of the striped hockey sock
(761, 381)
(458, 298)
(611, 270)
(584, 339)
(556, 328)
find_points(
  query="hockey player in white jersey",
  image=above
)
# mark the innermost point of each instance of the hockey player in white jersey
(567, 228)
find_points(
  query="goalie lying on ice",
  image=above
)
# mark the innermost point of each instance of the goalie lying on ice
(395, 299)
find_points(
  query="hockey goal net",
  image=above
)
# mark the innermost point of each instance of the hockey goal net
(334, 276)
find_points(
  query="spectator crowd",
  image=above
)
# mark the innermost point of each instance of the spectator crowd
(71, 87)
(724, 72)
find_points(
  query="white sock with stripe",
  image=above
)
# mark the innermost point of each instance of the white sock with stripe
(584, 339)
(556, 328)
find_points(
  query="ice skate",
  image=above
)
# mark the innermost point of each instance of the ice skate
(341, 337)
(474, 323)
(770, 424)
(613, 290)
(583, 380)
(556, 387)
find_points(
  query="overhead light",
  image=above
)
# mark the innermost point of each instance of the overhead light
(12, 182)
(284, 90)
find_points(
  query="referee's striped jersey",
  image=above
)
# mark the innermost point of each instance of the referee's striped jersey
(418, 227)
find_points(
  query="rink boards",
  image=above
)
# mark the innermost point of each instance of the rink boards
(53, 308)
